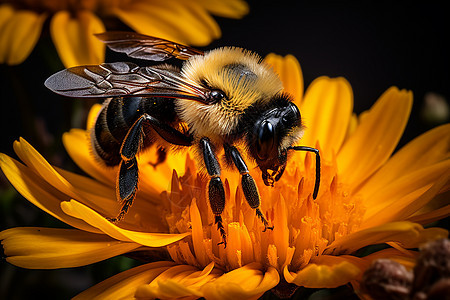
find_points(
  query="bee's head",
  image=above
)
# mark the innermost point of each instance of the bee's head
(274, 128)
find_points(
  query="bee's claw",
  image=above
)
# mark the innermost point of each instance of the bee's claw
(224, 242)
(112, 220)
(267, 227)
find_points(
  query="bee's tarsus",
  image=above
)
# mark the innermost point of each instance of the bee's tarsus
(112, 220)
(263, 219)
(249, 187)
(125, 206)
(218, 221)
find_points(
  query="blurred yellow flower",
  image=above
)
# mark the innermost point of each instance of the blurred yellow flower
(367, 196)
(73, 23)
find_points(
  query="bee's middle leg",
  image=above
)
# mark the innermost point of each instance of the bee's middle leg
(216, 192)
(248, 183)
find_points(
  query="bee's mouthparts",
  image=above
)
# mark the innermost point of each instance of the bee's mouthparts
(270, 176)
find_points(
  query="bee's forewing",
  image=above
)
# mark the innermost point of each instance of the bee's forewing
(146, 47)
(123, 79)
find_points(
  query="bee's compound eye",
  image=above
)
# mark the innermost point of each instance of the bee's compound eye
(296, 110)
(266, 140)
(216, 96)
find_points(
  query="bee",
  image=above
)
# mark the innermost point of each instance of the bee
(222, 98)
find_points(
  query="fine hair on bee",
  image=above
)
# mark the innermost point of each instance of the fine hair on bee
(225, 98)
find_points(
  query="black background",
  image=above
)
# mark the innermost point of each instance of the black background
(373, 45)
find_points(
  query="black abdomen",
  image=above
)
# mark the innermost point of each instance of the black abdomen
(116, 118)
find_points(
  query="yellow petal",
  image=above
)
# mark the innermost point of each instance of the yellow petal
(407, 195)
(92, 116)
(141, 22)
(276, 62)
(409, 235)
(49, 248)
(290, 73)
(404, 257)
(187, 24)
(39, 165)
(326, 111)
(167, 289)
(376, 136)
(353, 124)
(123, 285)
(226, 8)
(197, 234)
(177, 282)
(38, 192)
(6, 12)
(247, 282)
(90, 192)
(77, 144)
(19, 33)
(6, 15)
(335, 271)
(78, 210)
(156, 180)
(234, 246)
(74, 38)
(281, 230)
(144, 215)
(154, 280)
(433, 215)
(425, 150)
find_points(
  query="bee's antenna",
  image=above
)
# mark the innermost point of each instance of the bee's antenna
(316, 151)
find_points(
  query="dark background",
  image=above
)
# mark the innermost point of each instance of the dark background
(373, 45)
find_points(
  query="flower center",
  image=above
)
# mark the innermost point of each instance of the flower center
(303, 227)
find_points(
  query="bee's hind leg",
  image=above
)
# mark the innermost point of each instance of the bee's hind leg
(248, 183)
(128, 177)
(216, 192)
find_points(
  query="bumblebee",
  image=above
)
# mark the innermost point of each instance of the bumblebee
(223, 98)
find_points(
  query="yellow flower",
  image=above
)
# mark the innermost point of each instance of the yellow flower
(74, 22)
(367, 196)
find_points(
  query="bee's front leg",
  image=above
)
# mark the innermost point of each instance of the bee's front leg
(248, 183)
(216, 192)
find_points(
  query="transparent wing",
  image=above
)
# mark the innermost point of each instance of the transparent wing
(146, 47)
(123, 79)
